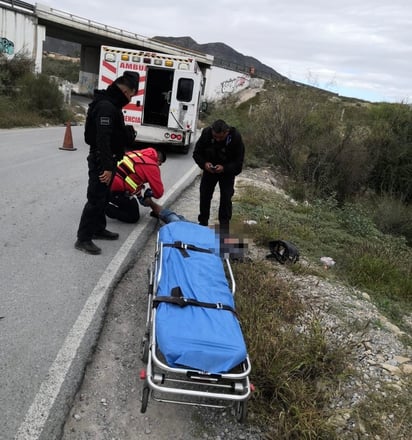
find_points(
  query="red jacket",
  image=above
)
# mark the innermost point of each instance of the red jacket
(136, 169)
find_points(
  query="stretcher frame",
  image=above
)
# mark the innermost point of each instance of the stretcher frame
(188, 386)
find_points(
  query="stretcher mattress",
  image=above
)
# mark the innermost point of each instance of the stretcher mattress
(205, 339)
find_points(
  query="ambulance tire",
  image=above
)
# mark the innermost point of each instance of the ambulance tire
(186, 148)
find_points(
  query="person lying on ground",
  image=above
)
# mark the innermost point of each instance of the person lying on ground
(229, 247)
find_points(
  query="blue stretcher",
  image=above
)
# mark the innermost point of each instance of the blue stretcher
(193, 344)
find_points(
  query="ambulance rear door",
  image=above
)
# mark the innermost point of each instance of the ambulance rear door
(184, 100)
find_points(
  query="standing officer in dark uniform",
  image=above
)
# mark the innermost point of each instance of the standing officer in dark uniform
(108, 136)
(219, 152)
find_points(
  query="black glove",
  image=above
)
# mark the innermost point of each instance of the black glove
(141, 200)
(148, 193)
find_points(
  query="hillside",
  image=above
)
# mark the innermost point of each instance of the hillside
(61, 47)
(225, 56)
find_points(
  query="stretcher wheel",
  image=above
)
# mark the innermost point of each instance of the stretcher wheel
(144, 349)
(145, 399)
(241, 411)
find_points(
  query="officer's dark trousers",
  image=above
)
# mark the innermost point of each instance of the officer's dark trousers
(207, 187)
(93, 218)
(123, 208)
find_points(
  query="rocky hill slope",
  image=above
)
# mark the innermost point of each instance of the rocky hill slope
(224, 55)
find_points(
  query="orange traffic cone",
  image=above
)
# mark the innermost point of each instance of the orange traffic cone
(68, 139)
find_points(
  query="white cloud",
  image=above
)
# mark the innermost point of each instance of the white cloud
(359, 47)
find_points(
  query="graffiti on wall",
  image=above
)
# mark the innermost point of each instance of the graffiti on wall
(6, 46)
(234, 85)
(87, 83)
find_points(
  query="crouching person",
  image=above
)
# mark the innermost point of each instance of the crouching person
(123, 207)
(136, 169)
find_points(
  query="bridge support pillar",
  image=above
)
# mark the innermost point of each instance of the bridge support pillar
(89, 69)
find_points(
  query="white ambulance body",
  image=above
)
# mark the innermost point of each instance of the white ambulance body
(166, 107)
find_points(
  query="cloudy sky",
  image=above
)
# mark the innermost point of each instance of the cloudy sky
(359, 48)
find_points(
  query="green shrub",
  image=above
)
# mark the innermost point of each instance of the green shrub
(12, 71)
(356, 221)
(390, 149)
(12, 114)
(39, 94)
(392, 216)
(64, 69)
(384, 268)
(27, 99)
(327, 146)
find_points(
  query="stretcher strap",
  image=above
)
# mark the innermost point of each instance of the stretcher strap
(183, 247)
(178, 299)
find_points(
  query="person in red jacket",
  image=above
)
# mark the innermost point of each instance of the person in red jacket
(134, 171)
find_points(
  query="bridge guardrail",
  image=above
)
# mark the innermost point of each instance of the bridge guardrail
(44, 12)
(90, 23)
(18, 4)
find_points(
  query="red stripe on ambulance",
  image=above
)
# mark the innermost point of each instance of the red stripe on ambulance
(133, 106)
(109, 66)
(106, 80)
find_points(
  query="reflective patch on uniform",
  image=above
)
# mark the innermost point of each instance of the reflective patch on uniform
(105, 120)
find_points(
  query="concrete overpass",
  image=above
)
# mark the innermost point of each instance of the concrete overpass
(25, 27)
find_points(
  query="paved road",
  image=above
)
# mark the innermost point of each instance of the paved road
(52, 296)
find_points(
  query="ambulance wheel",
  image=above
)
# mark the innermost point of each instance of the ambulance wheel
(144, 349)
(145, 399)
(241, 411)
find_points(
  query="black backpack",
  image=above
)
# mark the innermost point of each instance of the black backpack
(284, 251)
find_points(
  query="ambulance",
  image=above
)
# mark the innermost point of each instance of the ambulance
(165, 109)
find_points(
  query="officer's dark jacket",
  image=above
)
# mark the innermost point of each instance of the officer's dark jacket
(105, 130)
(229, 153)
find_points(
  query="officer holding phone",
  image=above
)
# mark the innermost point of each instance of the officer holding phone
(219, 152)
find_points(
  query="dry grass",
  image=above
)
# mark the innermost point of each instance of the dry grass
(296, 373)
